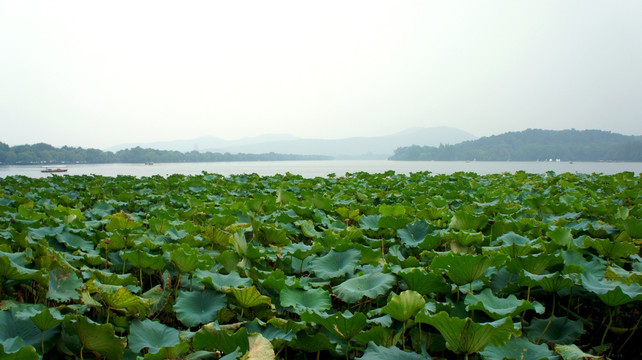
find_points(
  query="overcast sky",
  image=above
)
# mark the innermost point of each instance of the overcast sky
(97, 74)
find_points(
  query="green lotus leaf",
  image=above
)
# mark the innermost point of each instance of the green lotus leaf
(10, 270)
(102, 209)
(118, 297)
(424, 282)
(122, 222)
(260, 348)
(612, 249)
(198, 307)
(211, 337)
(496, 307)
(151, 335)
(533, 263)
(229, 259)
(175, 352)
(16, 322)
(396, 210)
(303, 300)
(376, 352)
(110, 278)
(100, 338)
(63, 285)
(222, 282)
(249, 297)
(404, 306)
(560, 331)
(467, 238)
(369, 222)
(464, 336)
(633, 227)
(298, 250)
(561, 236)
(307, 228)
(270, 235)
(185, 260)
(270, 332)
(335, 264)
(142, 259)
(518, 349)
(370, 285)
(464, 220)
(158, 298)
(414, 233)
(466, 268)
(74, 241)
(47, 318)
(553, 282)
(572, 352)
(315, 342)
(612, 293)
(380, 335)
(15, 349)
(344, 325)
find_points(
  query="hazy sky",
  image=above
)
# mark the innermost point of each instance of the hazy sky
(96, 74)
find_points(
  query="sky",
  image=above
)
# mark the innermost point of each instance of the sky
(97, 74)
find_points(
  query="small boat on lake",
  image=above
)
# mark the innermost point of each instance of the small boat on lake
(48, 169)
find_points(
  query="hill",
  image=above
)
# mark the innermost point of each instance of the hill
(534, 145)
(379, 147)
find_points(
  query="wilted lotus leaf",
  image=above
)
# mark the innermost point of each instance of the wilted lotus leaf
(260, 348)
(151, 335)
(498, 308)
(518, 348)
(370, 285)
(303, 300)
(198, 307)
(375, 352)
(572, 352)
(335, 264)
(344, 325)
(63, 285)
(118, 297)
(464, 336)
(405, 305)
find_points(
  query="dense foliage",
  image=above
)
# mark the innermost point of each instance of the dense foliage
(534, 145)
(364, 266)
(47, 154)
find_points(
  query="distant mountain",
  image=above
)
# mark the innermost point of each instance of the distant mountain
(379, 147)
(533, 145)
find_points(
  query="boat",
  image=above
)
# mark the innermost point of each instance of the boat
(149, 163)
(48, 169)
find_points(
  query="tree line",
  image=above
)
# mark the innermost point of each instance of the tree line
(42, 153)
(534, 145)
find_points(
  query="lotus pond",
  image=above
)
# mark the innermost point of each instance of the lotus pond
(363, 266)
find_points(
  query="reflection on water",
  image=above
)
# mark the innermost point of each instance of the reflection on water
(323, 168)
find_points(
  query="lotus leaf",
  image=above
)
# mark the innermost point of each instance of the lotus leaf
(424, 282)
(498, 308)
(379, 335)
(249, 297)
(198, 307)
(185, 259)
(303, 300)
(370, 285)
(175, 352)
(15, 349)
(141, 259)
(344, 325)
(10, 270)
(260, 348)
(405, 305)
(612, 293)
(518, 349)
(63, 285)
(414, 233)
(222, 282)
(151, 335)
(561, 236)
(13, 324)
(572, 352)
(464, 269)
(96, 337)
(376, 352)
(560, 331)
(369, 222)
(335, 264)
(612, 249)
(553, 282)
(210, 337)
(464, 336)
(464, 220)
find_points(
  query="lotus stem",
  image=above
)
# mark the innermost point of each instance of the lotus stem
(608, 327)
(81, 350)
(42, 343)
(550, 321)
(631, 334)
(140, 279)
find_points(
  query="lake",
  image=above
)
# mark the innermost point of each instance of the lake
(325, 167)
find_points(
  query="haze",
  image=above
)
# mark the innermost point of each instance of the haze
(96, 74)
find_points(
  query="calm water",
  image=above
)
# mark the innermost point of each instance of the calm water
(323, 168)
